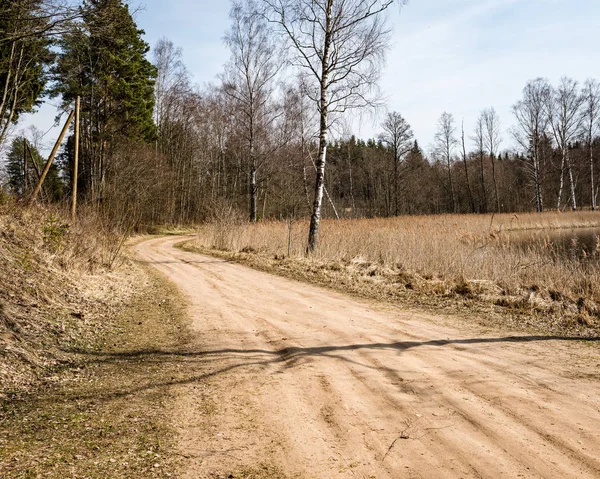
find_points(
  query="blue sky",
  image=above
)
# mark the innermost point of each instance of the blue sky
(463, 55)
(458, 56)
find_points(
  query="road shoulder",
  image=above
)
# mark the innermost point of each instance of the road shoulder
(105, 413)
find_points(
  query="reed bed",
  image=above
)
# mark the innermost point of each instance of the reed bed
(472, 252)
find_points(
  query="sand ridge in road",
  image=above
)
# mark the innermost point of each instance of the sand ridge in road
(298, 381)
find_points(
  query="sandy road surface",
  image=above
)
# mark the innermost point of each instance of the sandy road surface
(297, 381)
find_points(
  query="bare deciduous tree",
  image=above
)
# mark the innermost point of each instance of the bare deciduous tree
(249, 82)
(172, 81)
(306, 131)
(563, 107)
(444, 144)
(465, 164)
(398, 136)
(340, 46)
(532, 124)
(479, 140)
(591, 119)
(492, 142)
(175, 102)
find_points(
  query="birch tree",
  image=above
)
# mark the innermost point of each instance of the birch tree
(466, 166)
(444, 144)
(172, 83)
(398, 137)
(492, 141)
(532, 124)
(339, 45)
(591, 121)
(175, 111)
(563, 108)
(249, 82)
(479, 140)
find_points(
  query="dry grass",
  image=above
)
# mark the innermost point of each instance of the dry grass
(77, 396)
(107, 413)
(57, 287)
(451, 255)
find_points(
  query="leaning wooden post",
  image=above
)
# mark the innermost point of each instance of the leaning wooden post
(75, 161)
(25, 168)
(35, 166)
(50, 159)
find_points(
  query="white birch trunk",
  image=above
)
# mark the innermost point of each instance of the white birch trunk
(572, 183)
(315, 220)
(562, 182)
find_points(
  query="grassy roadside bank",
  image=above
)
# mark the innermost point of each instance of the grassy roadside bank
(104, 414)
(59, 282)
(465, 265)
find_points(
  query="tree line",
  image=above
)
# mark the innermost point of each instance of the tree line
(269, 139)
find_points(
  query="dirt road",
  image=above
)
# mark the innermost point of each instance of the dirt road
(298, 381)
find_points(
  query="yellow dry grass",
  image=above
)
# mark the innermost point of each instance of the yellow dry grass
(52, 273)
(452, 249)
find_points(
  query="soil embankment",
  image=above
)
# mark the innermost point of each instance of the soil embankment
(77, 398)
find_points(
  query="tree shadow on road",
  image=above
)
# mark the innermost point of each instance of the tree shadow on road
(196, 366)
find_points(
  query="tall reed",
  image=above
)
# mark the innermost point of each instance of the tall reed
(447, 247)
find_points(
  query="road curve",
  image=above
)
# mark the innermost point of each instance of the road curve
(298, 381)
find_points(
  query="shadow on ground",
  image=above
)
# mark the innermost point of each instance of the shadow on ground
(192, 366)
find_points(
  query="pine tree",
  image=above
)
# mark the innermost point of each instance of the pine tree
(15, 169)
(104, 61)
(24, 60)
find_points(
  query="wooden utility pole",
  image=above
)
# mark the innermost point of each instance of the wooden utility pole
(25, 168)
(75, 161)
(50, 159)
(34, 164)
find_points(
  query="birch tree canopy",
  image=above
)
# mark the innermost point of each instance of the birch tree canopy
(339, 47)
